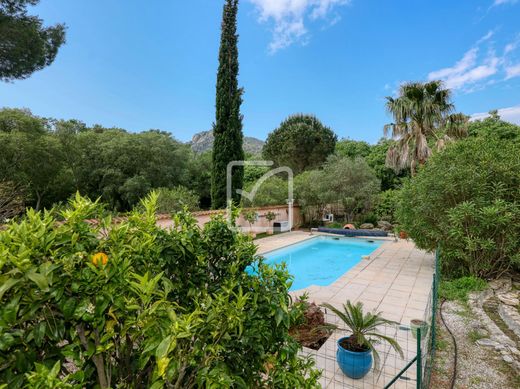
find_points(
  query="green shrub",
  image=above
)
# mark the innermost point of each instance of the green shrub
(334, 225)
(467, 200)
(134, 306)
(369, 217)
(176, 199)
(386, 205)
(273, 191)
(459, 288)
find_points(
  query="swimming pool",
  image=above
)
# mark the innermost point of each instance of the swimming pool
(321, 260)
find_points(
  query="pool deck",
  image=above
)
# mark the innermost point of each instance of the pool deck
(396, 280)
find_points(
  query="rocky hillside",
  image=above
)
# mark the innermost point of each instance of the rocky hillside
(203, 141)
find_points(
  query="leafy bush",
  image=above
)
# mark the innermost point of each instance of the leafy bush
(273, 191)
(369, 217)
(176, 199)
(387, 203)
(335, 225)
(466, 199)
(133, 305)
(493, 126)
(459, 288)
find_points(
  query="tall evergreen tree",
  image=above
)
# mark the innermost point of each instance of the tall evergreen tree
(228, 126)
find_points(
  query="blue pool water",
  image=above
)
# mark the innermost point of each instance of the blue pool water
(321, 260)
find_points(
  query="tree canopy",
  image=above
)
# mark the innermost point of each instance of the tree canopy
(375, 156)
(301, 142)
(353, 148)
(26, 45)
(51, 159)
(346, 181)
(494, 126)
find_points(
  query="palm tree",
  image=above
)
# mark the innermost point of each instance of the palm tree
(423, 111)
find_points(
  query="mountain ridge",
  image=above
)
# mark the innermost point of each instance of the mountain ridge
(203, 141)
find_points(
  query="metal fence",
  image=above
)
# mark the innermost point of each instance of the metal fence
(411, 372)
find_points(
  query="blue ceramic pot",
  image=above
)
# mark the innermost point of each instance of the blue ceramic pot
(353, 364)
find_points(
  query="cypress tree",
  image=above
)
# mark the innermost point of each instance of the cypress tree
(228, 125)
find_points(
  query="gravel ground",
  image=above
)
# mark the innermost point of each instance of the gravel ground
(478, 367)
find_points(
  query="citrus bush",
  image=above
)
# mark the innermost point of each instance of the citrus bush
(467, 200)
(131, 305)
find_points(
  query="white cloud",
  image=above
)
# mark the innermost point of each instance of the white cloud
(478, 68)
(502, 2)
(289, 18)
(512, 71)
(466, 71)
(510, 47)
(509, 114)
(489, 35)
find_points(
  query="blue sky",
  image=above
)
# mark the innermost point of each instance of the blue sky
(141, 65)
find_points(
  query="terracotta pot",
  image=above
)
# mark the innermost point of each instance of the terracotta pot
(403, 235)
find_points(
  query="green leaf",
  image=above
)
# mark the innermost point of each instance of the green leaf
(157, 385)
(162, 349)
(39, 333)
(55, 370)
(279, 316)
(39, 279)
(6, 285)
(6, 341)
(68, 308)
(10, 311)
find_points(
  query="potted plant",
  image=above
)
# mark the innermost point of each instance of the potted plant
(250, 217)
(356, 352)
(270, 216)
(399, 232)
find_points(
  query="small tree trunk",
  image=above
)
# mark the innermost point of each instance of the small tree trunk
(38, 200)
(97, 359)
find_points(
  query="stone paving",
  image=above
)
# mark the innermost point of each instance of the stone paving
(396, 280)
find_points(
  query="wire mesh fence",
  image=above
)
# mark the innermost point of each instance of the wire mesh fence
(412, 371)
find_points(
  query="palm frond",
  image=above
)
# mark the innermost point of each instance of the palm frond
(457, 125)
(420, 110)
(364, 326)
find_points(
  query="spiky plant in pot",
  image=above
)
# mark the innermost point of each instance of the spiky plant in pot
(354, 354)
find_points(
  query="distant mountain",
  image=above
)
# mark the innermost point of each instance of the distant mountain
(203, 141)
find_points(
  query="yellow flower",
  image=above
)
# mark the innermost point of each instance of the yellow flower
(99, 259)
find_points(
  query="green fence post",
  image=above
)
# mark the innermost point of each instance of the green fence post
(434, 313)
(419, 359)
(435, 297)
